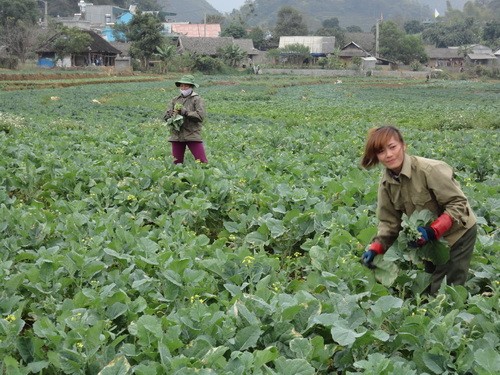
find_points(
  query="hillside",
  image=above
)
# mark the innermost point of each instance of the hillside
(187, 10)
(363, 13)
(441, 5)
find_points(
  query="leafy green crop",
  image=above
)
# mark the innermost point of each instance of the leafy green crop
(401, 256)
(115, 260)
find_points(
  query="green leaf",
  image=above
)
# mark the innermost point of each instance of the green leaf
(115, 310)
(12, 366)
(385, 304)
(215, 357)
(293, 366)
(37, 367)
(345, 336)
(434, 362)
(261, 357)
(301, 347)
(118, 366)
(385, 272)
(256, 238)
(437, 252)
(488, 359)
(247, 338)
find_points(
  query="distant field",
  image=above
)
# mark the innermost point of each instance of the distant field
(115, 260)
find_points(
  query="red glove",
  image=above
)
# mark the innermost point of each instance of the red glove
(436, 230)
(441, 225)
(376, 248)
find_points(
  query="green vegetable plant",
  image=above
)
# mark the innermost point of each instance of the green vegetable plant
(403, 264)
(175, 122)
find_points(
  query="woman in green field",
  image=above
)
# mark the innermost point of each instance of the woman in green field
(412, 183)
(185, 116)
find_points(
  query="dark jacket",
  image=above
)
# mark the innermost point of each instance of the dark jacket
(193, 119)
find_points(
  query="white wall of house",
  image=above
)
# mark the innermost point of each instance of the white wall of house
(316, 44)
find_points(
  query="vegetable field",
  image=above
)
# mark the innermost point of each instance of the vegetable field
(115, 261)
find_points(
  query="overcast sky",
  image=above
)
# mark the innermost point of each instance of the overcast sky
(226, 6)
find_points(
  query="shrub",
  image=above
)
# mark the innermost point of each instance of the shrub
(9, 62)
(209, 65)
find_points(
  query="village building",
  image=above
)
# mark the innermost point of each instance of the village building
(319, 46)
(198, 30)
(98, 53)
(207, 46)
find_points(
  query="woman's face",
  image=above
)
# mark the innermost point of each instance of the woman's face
(392, 155)
(184, 86)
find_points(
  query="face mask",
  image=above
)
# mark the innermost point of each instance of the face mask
(186, 92)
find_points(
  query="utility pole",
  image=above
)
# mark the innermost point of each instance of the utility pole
(45, 22)
(376, 37)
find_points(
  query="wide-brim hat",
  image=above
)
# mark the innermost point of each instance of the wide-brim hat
(187, 79)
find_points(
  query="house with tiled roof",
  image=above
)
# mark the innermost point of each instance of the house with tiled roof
(450, 57)
(481, 55)
(368, 61)
(366, 41)
(99, 52)
(444, 57)
(196, 29)
(207, 46)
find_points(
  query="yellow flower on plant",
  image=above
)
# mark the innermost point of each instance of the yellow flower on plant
(10, 318)
(248, 260)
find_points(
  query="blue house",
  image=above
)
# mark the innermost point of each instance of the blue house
(108, 32)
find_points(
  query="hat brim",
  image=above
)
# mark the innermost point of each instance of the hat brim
(178, 83)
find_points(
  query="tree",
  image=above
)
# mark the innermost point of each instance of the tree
(14, 10)
(214, 19)
(71, 41)
(20, 38)
(413, 27)
(354, 29)
(236, 30)
(491, 33)
(296, 53)
(453, 32)
(331, 27)
(289, 23)
(331, 23)
(258, 37)
(396, 45)
(144, 33)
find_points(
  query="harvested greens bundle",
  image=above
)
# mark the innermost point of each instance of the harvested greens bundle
(175, 122)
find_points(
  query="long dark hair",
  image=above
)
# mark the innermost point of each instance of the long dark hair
(376, 141)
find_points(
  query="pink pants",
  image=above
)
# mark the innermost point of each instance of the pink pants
(196, 148)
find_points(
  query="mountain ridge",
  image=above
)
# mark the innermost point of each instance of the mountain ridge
(263, 13)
